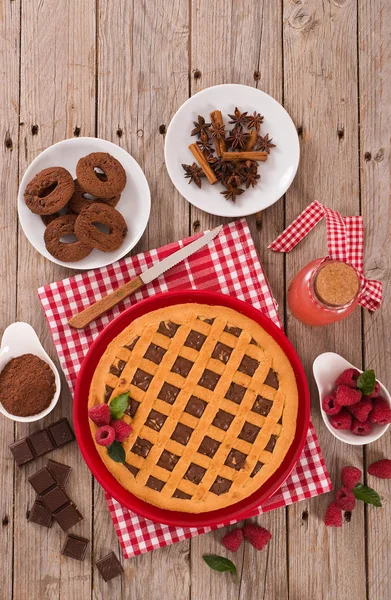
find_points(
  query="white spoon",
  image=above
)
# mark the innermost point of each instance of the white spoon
(326, 368)
(20, 338)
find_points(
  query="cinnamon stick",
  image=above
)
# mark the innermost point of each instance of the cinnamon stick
(201, 159)
(217, 119)
(238, 156)
(252, 140)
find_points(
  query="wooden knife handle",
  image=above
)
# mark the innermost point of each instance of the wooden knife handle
(98, 308)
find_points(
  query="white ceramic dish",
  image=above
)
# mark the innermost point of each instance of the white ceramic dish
(326, 368)
(20, 338)
(277, 172)
(134, 205)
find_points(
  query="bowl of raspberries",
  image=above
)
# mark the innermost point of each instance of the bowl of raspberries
(355, 406)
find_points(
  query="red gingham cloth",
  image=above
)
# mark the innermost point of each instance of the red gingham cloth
(229, 264)
(345, 240)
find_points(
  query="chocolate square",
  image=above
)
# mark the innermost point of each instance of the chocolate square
(249, 432)
(109, 566)
(195, 340)
(61, 433)
(195, 473)
(41, 442)
(22, 451)
(59, 471)
(236, 331)
(75, 547)
(272, 379)
(209, 379)
(235, 393)
(168, 393)
(141, 447)
(132, 407)
(182, 366)
(235, 459)
(108, 391)
(179, 494)
(155, 484)
(40, 515)
(55, 498)
(168, 460)
(262, 406)
(68, 516)
(155, 420)
(195, 406)
(257, 468)
(248, 365)
(222, 352)
(181, 434)
(208, 446)
(271, 443)
(142, 379)
(220, 486)
(155, 353)
(42, 480)
(223, 420)
(168, 328)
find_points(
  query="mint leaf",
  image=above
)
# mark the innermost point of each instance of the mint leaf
(366, 382)
(219, 563)
(367, 494)
(116, 452)
(118, 405)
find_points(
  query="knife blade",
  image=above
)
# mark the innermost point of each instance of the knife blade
(93, 311)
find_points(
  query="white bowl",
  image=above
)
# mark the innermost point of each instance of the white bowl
(277, 172)
(20, 338)
(326, 368)
(134, 204)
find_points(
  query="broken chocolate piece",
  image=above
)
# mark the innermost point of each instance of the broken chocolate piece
(67, 516)
(42, 480)
(22, 451)
(61, 433)
(59, 471)
(75, 547)
(40, 515)
(41, 442)
(55, 498)
(109, 566)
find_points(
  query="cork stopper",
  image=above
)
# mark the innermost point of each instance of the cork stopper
(336, 283)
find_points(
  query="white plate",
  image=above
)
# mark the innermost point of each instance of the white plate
(277, 172)
(326, 368)
(134, 205)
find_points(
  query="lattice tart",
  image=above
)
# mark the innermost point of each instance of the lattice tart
(213, 404)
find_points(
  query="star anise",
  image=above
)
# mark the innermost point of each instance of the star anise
(238, 118)
(218, 131)
(194, 173)
(205, 147)
(264, 144)
(254, 121)
(238, 138)
(251, 178)
(232, 192)
(235, 180)
(200, 126)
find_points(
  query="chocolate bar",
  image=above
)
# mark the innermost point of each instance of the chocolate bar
(75, 547)
(61, 433)
(109, 566)
(67, 516)
(40, 515)
(55, 498)
(41, 442)
(42, 480)
(22, 451)
(59, 471)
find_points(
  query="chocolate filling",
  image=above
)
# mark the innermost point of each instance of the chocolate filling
(223, 420)
(155, 353)
(195, 473)
(209, 321)
(209, 379)
(132, 469)
(168, 460)
(262, 406)
(141, 447)
(208, 446)
(168, 393)
(235, 459)
(195, 406)
(256, 469)
(132, 407)
(195, 340)
(117, 370)
(133, 343)
(181, 434)
(155, 484)
(108, 391)
(182, 366)
(248, 365)
(155, 420)
(179, 494)
(142, 379)
(235, 393)
(220, 485)
(236, 331)
(222, 352)
(271, 443)
(168, 328)
(249, 432)
(280, 420)
(272, 379)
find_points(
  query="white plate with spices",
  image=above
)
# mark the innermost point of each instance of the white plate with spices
(277, 173)
(134, 204)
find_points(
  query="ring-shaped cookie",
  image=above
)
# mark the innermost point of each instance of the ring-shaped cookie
(87, 232)
(79, 201)
(49, 191)
(102, 185)
(67, 252)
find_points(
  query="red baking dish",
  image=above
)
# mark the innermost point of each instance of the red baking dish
(91, 455)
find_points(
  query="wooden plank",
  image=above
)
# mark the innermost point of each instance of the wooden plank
(142, 81)
(57, 99)
(241, 43)
(320, 91)
(375, 114)
(9, 127)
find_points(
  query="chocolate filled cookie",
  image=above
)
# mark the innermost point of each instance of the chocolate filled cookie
(66, 251)
(87, 231)
(80, 199)
(101, 174)
(49, 191)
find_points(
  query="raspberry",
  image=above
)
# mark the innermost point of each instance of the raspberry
(381, 469)
(233, 539)
(359, 428)
(329, 405)
(105, 435)
(345, 499)
(333, 516)
(258, 536)
(122, 430)
(348, 377)
(100, 414)
(350, 477)
(376, 391)
(346, 396)
(381, 412)
(343, 420)
(362, 409)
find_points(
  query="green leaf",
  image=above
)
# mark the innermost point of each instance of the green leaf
(367, 494)
(118, 405)
(219, 563)
(116, 452)
(366, 382)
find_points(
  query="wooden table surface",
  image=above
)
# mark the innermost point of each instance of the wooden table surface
(119, 70)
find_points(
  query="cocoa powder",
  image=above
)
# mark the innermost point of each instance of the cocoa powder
(27, 385)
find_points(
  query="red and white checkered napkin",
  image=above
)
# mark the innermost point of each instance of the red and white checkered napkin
(229, 265)
(345, 240)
